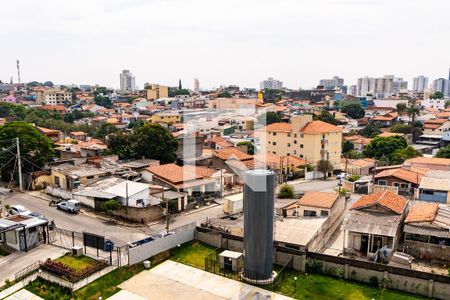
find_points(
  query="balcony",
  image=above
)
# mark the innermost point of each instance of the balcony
(324, 142)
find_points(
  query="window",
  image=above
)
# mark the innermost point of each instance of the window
(295, 141)
(309, 213)
(324, 213)
(295, 151)
(90, 177)
(274, 134)
(301, 145)
(289, 135)
(288, 144)
(382, 182)
(32, 229)
(301, 135)
(274, 143)
(295, 135)
(56, 180)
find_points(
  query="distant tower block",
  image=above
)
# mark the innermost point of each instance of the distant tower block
(196, 86)
(259, 197)
(18, 71)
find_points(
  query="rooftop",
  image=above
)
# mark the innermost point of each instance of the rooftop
(386, 199)
(319, 199)
(422, 212)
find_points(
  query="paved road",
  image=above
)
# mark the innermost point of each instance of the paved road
(119, 234)
(315, 185)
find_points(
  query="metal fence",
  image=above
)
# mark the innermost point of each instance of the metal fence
(212, 265)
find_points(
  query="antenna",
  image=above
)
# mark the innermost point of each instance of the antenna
(18, 71)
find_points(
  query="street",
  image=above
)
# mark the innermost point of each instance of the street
(314, 185)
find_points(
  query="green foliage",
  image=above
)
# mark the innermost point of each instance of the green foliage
(437, 95)
(444, 152)
(400, 155)
(111, 205)
(149, 141)
(324, 166)
(327, 117)
(313, 266)
(76, 115)
(48, 83)
(286, 192)
(104, 130)
(34, 147)
(374, 281)
(342, 191)
(269, 117)
(353, 178)
(353, 110)
(347, 146)
(370, 131)
(250, 147)
(177, 91)
(447, 104)
(224, 94)
(401, 128)
(308, 167)
(272, 95)
(380, 146)
(401, 108)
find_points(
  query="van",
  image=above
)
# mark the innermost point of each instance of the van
(72, 206)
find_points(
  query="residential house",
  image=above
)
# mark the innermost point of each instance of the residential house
(427, 235)
(374, 222)
(432, 163)
(364, 166)
(358, 141)
(384, 121)
(436, 127)
(435, 187)
(52, 134)
(167, 117)
(23, 233)
(305, 138)
(320, 204)
(405, 180)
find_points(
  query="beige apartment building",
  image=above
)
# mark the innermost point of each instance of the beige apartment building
(54, 97)
(305, 138)
(156, 91)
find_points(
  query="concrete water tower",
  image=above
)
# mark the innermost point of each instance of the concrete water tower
(259, 197)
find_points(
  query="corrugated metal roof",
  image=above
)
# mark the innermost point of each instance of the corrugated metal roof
(422, 230)
(437, 184)
(379, 224)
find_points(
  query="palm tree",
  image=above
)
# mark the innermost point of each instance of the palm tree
(413, 112)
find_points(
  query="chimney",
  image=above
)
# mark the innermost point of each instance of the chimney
(300, 121)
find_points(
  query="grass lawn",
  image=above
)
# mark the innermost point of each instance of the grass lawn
(105, 286)
(192, 254)
(316, 286)
(3, 252)
(78, 263)
(313, 286)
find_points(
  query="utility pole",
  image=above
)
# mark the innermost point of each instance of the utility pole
(19, 162)
(167, 210)
(126, 195)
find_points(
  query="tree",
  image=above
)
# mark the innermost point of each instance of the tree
(444, 152)
(400, 155)
(370, 131)
(272, 95)
(353, 110)
(104, 130)
(401, 128)
(413, 112)
(269, 117)
(35, 148)
(327, 117)
(347, 146)
(401, 108)
(111, 205)
(286, 192)
(122, 144)
(177, 91)
(249, 145)
(103, 101)
(155, 142)
(380, 146)
(48, 83)
(447, 104)
(325, 167)
(224, 94)
(437, 95)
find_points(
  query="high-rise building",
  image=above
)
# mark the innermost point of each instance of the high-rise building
(365, 85)
(380, 87)
(420, 83)
(399, 84)
(336, 81)
(127, 83)
(271, 83)
(441, 85)
(353, 90)
(196, 86)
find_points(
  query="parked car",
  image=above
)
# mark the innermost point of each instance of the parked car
(38, 215)
(164, 234)
(19, 210)
(341, 176)
(72, 206)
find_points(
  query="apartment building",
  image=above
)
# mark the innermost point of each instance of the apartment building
(305, 138)
(436, 127)
(156, 91)
(54, 97)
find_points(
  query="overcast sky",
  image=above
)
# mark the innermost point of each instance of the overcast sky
(223, 42)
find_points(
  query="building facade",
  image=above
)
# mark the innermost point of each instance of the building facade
(156, 91)
(271, 83)
(127, 81)
(441, 85)
(420, 83)
(336, 81)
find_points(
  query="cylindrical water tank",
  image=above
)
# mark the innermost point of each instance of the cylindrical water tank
(259, 197)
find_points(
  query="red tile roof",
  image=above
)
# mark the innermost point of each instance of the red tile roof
(173, 173)
(387, 199)
(320, 127)
(227, 153)
(422, 212)
(281, 127)
(319, 199)
(406, 175)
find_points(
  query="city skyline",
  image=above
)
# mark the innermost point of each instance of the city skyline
(67, 44)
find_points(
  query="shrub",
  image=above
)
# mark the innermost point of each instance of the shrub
(342, 191)
(286, 192)
(353, 178)
(313, 266)
(374, 281)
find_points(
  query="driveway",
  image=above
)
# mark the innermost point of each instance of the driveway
(17, 261)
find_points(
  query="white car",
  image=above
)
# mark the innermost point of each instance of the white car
(72, 206)
(341, 176)
(19, 210)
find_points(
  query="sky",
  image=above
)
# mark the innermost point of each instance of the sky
(223, 42)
